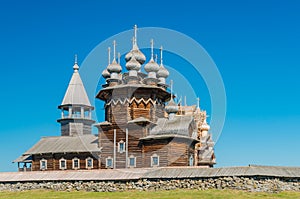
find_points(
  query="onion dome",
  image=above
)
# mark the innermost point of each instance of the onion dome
(114, 67)
(151, 66)
(162, 72)
(105, 73)
(135, 51)
(205, 126)
(133, 64)
(172, 107)
(137, 54)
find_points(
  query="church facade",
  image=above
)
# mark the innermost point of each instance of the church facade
(143, 126)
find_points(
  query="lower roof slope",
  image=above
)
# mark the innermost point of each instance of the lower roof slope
(63, 144)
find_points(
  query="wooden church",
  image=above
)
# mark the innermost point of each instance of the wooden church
(143, 126)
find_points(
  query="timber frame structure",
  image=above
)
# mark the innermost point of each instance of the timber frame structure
(143, 126)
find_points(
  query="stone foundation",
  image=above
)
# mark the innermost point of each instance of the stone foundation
(253, 184)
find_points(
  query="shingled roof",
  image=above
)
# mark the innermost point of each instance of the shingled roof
(64, 144)
(150, 173)
(179, 125)
(76, 93)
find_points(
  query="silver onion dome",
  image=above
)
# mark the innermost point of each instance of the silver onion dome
(205, 126)
(137, 54)
(172, 107)
(151, 66)
(114, 67)
(162, 72)
(105, 73)
(133, 64)
(135, 51)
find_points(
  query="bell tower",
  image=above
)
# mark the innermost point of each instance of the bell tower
(76, 109)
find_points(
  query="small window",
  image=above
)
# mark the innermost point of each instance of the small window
(154, 160)
(76, 163)
(43, 164)
(89, 163)
(62, 164)
(121, 147)
(109, 162)
(132, 161)
(191, 160)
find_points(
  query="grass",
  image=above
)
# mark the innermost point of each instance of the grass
(178, 194)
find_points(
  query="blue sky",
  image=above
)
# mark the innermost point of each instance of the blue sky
(255, 45)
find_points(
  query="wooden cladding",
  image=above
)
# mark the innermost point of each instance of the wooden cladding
(122, 113)
(171, 151)
(53, 161)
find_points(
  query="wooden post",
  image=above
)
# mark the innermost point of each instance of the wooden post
(90, 113)
(115, 140)
(81, 112)
(70, 112)
(126, 149)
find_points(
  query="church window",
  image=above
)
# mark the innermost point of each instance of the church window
(62, 164)
(132, 161)
(89, 163)
(191, 160)
(43, 164)
(121, 146)
(76, 163)
(109, 162)
(154, 160)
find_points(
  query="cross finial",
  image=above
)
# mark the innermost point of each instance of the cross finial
(114, 43)
(198, 102)
(156, 58)
(135, 34)
(132, 41)
(75, 59)
(75, 67)
(152, 46)
(108, 55)
(161, 55)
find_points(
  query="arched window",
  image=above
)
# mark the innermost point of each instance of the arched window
(154, 160)
(132, 161)
(76, 163)
(62, 164)
(89, 163)
(109, 162)
(43, 164)
(121, 146)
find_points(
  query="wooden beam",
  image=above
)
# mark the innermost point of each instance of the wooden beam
(115, 139)
(126, 148)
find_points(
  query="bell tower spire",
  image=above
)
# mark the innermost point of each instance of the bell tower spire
(76, 109)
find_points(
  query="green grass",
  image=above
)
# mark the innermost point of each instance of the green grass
(178, 194)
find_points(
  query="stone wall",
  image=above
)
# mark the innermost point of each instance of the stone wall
(253, 184)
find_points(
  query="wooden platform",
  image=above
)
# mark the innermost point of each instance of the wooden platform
(149, 173)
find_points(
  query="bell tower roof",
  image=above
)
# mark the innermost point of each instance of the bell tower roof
(76, 93)
(76, 110)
